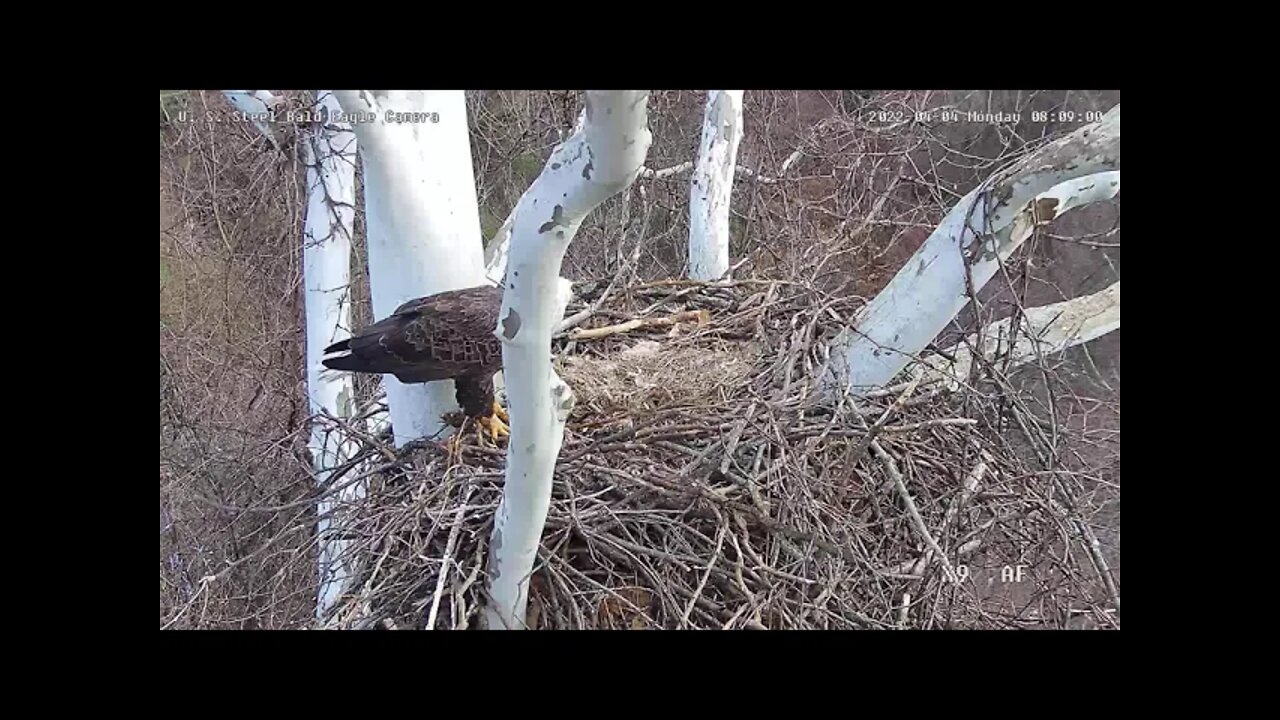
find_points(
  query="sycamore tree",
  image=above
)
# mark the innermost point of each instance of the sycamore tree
(422, 221)
(422, 236)
(602, 158)
(712, 185)
(967, 249)
(328, 152)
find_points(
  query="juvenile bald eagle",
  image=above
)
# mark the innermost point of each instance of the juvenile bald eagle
(446, 336)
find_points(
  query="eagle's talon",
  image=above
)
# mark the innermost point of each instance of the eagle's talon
(495, 426)
(500, 413)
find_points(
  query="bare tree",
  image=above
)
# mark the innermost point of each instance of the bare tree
(423, 223)
(966, 250)
(329, 154)
(712, 185)
(600, 160)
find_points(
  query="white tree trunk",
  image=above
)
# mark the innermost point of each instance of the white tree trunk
(933, 286)
(1042, 331)
(422, 219)
(499, 247)
(256, 106)
(712, 185)
(329, 153)
(595, 163)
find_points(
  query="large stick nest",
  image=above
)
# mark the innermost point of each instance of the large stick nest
(702, 485)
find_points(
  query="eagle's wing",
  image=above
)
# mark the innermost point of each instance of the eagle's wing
(426, 339)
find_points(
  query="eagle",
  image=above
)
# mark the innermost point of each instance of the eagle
(445, 336)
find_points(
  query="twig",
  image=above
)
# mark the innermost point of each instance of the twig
(697, 593)
(892, 467)
(700, 316)
(938, 422)
(447, 561)
(855, 456)
(581, 316)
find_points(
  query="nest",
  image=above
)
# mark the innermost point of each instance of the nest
(647, 377)
(703, 484)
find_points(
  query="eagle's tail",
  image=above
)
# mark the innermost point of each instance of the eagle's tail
(340, 346)
(349, 361)
(359, 354)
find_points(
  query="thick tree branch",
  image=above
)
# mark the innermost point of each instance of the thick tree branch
(1042, 331)
(966, 250)
(600, 160)
(257, 106)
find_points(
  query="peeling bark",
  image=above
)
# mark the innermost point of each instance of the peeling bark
(712, 186)
(613, 141)
(933, 286)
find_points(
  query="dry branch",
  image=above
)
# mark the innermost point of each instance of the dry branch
(813, 541)
(701, 317)
(741, 511)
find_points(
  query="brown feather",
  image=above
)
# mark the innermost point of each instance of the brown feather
(444, 336)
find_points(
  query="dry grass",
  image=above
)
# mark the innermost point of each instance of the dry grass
(699, 485)
(646, 377)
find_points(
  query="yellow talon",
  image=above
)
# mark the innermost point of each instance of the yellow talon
(495, 426)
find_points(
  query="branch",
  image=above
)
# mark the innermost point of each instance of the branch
(699, 316)
(1044, 330)
(597, 162)
(257, 106)
(967, 249)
